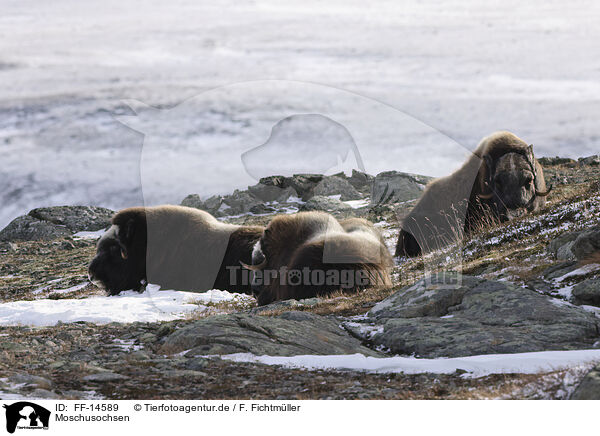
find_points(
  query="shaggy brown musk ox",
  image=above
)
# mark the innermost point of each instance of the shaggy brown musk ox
(500, 181)
(311, 254)
(174, 246)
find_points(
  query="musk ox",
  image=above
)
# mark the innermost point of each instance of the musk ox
(500, 181)
(311, 254)
(174, 246)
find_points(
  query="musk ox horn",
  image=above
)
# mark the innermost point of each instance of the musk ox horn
(486, 196)
(254, 267)
(543, 193)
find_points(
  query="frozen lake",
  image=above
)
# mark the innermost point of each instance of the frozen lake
(395, 86)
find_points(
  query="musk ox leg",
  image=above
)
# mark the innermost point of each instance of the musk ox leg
(407, 245)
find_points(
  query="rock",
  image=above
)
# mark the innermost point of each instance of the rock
(196, 363)
(333, 185)
(138, 355)
(104, 377)
(164, 330)
(268, 193)
(450, 315)
(27, 228)
(590, 160)
(396, 187)
(239, 202)
(289, 334)
(558, 270)
(552, 161)
(212, 205)
(327, 204)
(31, 381)
(362, 182)
(148, 337)
(193, 200)
(587, 292)
(187, 373)
(302, 184)
(45, 394)
(576, 245)
(48, 223)
(262, 209)
(285, 304)
(75, 218)
(589, 388)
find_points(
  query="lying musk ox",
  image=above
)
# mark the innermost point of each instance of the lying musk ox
(173, 246)
(311, 254)
(500, 181)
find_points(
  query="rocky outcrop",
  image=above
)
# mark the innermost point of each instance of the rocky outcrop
(450, 315)
(48, 223)
(337, 186)
(327, 204)
(587, 292)
(590, 160)
(289, 334)
(395, 187)
(576, 245)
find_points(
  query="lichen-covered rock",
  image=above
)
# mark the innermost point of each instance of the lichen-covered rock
(551, 161)
(268, 193)
(75, 218)
(334, 185)
(450, 315)
(212, 205)
(590, 160)
(48, 223)
(302, 184)
(327, 204)
(587, 292)
(239, 202)
(576, 245)
(362, 182)
(26, 228)
(289, 334)
(395, 187)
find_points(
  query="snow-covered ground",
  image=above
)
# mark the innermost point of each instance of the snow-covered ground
(152, 305)
(410, 84)
(475, 366)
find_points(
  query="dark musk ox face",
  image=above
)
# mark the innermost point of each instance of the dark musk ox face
(513, 185)
(119, 263)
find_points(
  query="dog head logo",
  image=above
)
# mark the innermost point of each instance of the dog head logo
(26, 415)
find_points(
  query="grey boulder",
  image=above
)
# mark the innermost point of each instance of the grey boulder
(587, 292)
(576, 245)
(48, 223)
(334, 185)
(289, 334)
(450, 315)
(327, 204)
(396, 187)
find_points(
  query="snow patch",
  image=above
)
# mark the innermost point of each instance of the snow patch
(475, 366)
(150, 306)
(89, 235)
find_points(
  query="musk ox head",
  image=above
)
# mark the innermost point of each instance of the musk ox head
(512, 184)
(120, 261)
